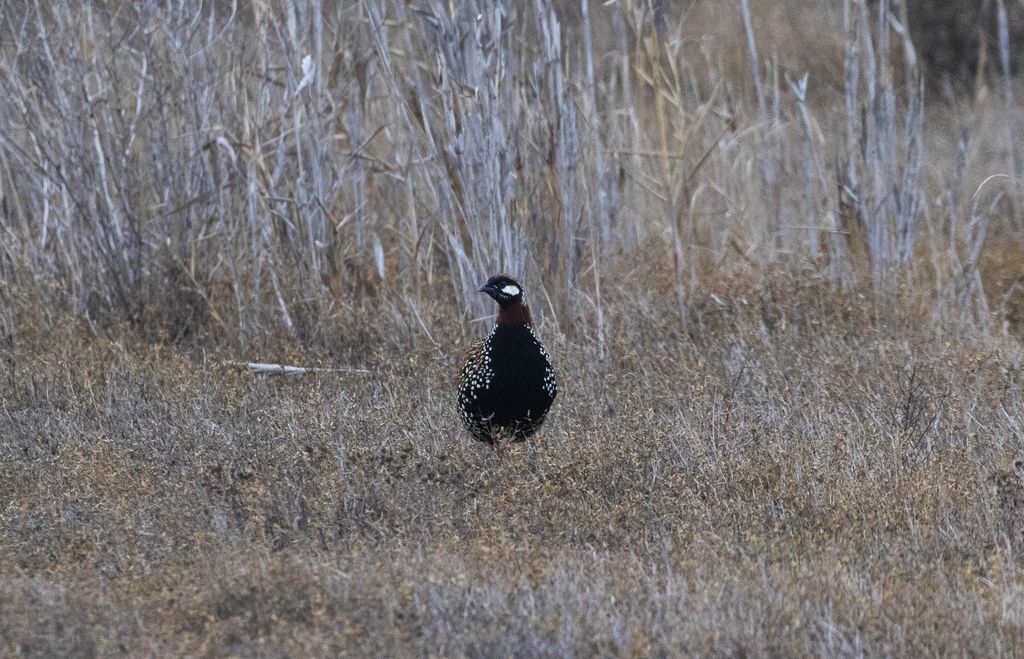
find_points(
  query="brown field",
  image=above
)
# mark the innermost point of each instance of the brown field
(787, 323)
(811, 474)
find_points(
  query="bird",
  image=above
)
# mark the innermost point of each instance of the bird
(508, 383)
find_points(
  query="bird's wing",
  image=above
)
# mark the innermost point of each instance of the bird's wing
(473, 362)
(469, 391)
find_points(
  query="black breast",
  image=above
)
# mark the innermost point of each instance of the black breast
(512, 384)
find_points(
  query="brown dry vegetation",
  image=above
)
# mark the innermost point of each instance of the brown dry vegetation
(787, 327)
(811, 474)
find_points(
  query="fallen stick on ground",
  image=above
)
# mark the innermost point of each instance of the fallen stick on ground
(282, 369)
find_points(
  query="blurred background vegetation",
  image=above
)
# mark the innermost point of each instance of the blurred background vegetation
(238, 171)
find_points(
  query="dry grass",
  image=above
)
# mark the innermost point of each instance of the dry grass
(811, 474)
(785, 310)
(243, 170)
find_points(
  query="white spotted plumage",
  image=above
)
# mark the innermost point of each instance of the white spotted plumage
(477, 376)
(550, 385)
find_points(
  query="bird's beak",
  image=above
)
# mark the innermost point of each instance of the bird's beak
(483, 289)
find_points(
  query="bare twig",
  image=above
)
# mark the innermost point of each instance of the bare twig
(282, 369)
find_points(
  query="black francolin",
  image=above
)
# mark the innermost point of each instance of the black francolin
(508, 383)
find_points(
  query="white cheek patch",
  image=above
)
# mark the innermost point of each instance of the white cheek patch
(511, 290)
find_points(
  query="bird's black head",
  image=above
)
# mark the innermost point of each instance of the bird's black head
(505, 290)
